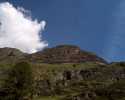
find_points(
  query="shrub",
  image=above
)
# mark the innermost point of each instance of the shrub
(19, 84)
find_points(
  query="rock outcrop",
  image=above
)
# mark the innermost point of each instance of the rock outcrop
(65, 54)
(58, 54)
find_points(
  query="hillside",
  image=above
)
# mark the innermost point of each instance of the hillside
(58, 54)
(10, 55)
(85, 81)
(68, 73)
(65, 54)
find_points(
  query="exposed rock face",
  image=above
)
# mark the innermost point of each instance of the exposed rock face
(58, 54)
(65, 54)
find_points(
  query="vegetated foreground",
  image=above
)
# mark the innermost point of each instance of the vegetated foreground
(59, 73)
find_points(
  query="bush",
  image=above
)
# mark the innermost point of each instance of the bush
(19, 84)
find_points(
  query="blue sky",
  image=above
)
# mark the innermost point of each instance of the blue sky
(86, 23)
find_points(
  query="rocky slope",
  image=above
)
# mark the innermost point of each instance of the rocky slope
(68, 73)
(85, 81)
(65, 54)
(58, 54)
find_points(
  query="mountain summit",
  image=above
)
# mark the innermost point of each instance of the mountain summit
(58, 54)
(65, 54)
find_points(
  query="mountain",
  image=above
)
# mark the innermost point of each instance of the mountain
(10, 55)
(66, 72)
(65, 54)
(58, 54)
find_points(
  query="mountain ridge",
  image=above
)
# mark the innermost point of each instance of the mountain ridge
(65, 54)
(69, 73)
(57, 54)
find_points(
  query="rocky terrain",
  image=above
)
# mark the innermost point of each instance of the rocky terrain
(68, 73)
(65, 54)
(86, 81)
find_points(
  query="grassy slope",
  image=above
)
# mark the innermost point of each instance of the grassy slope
(48, 71)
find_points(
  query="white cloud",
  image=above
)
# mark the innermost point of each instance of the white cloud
(17, 30)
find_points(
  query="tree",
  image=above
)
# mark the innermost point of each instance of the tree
(19, 83)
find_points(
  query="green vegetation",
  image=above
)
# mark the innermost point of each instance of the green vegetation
(99, 82)
(48, 98)
(64, 74)
(69, 81)
(19, 83)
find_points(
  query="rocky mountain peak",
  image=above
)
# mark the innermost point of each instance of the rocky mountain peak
(65, 54)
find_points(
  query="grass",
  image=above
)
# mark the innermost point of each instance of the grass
(62, 67)
(48, 71)
(54, 72)
(48, 98)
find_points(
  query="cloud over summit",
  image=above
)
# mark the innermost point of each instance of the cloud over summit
(17, 30)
